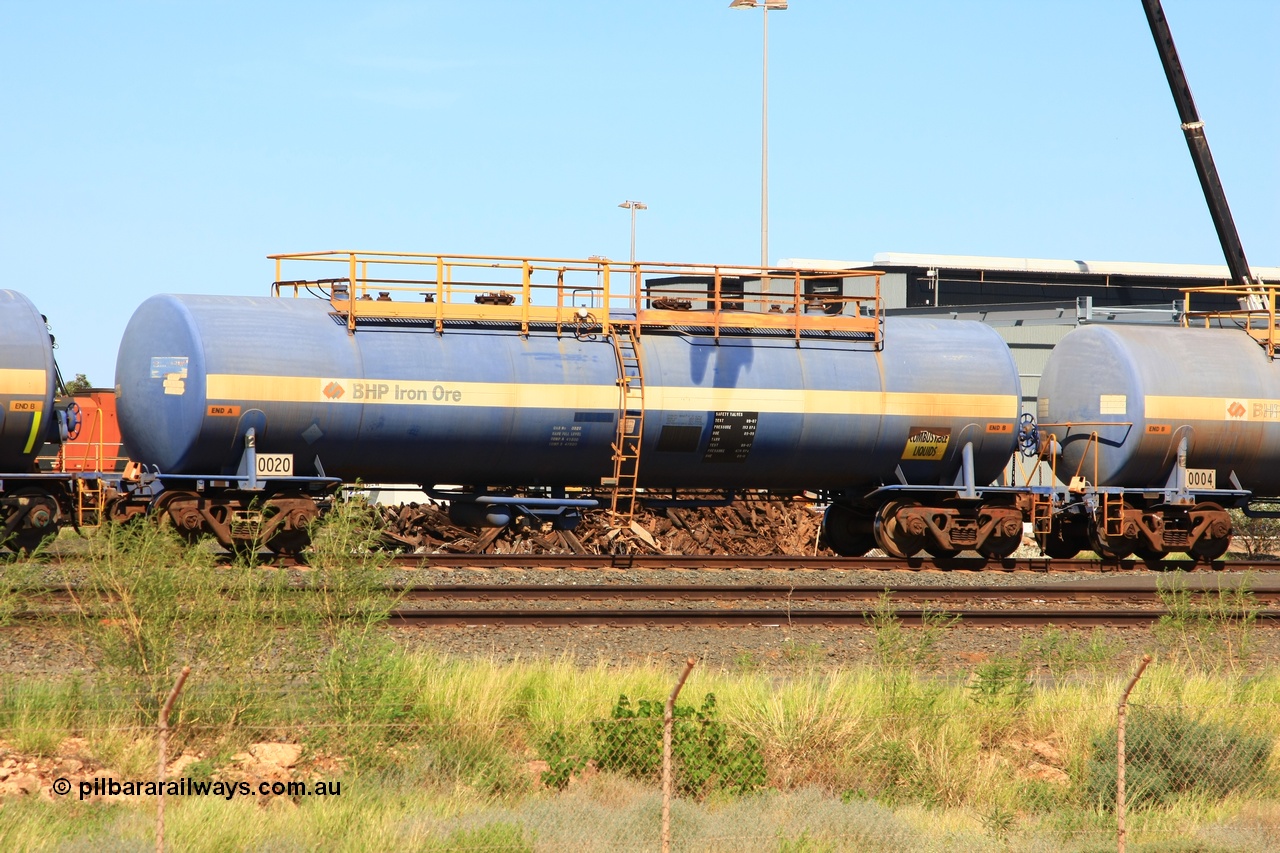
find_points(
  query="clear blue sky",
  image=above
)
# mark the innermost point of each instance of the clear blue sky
(151, 147)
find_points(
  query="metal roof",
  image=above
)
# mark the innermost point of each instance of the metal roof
(882, 260)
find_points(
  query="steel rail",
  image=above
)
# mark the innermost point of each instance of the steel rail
(696, 592)
(786, 614)
(770, 618)
(1266, 591)
(628, 562)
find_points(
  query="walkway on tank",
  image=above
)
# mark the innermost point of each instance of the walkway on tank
(569, 294)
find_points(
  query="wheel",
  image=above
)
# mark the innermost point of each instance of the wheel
(890, 535)
(293, 533)
(1067, 537)
(40, 516)
(1006, 534)
(1153, 558)
(181, 510)
(1104, 549)
(1210, 548)
(120, 511)
(1063, 543)
(27, 540)
(1000, 547)
(847, 531)
(1112, 547)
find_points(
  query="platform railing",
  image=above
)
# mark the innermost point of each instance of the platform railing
(1256, 314)
(573, 293)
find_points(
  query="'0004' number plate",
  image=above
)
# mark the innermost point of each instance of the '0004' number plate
(1200, 478)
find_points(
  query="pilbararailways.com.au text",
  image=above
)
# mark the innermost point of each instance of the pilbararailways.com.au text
(188, 787)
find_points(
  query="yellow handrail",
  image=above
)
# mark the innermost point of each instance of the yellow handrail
(525, 290)
(1256, 314)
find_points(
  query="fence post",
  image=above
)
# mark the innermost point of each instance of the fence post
(164, 749)
(1121, 710)
(668, 717)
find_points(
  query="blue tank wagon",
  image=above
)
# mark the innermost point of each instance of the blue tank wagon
(1158, 431)
(541, 410)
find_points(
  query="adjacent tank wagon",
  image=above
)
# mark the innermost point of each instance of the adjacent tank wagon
(27, 381)
(1164, 429)
(33, 503)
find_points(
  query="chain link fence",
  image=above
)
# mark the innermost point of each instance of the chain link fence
(943, 772)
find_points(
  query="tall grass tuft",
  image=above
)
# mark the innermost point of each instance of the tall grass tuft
(153, 603)
(349, 571)
(17, 577)
(1212, 629)
(902, 653)
(37, 716)
(142, 584)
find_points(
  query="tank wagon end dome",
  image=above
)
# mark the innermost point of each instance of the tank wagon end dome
(27, 380)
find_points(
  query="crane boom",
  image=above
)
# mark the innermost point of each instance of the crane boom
(1193, 129)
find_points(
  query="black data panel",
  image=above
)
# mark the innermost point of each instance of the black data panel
(732, 434)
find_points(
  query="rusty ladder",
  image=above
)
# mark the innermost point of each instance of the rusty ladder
(1112, 515)
(1041, 513)
(89, 501)
(89, 492)
(630, 436)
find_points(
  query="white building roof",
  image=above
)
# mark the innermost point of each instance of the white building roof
(1041, 265)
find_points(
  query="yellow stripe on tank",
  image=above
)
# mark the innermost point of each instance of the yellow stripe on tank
(1227, 409)
(911, 404)
(312, 389)
(15, 380)
(34, 434)
(315, 389)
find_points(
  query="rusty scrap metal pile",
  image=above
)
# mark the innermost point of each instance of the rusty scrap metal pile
(749, 528)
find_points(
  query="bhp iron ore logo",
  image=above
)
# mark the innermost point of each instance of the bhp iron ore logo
(333, 390)
(1236, 409)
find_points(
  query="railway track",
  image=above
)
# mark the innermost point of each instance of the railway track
(637, 562)
(779, 563)
(1131, 603)
(1091, 605)
(1037, 593)
(1125, 618)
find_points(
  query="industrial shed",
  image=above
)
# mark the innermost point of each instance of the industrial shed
(1034, 302)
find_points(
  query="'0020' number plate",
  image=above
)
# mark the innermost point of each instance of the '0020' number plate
(275, 464)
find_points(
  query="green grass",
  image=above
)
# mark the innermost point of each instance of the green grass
(440, 753)
(423, 734)
(1207, 629)
(608, 814)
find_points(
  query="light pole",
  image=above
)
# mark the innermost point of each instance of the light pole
(634, 206)
(777, 6)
